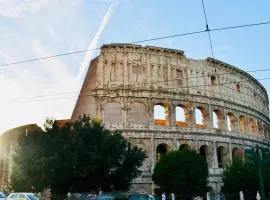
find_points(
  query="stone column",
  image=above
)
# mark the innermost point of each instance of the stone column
(153, 159)
(230, 152)
(215, 158)
(209, 124)
(173, 116)
(125, 69)
(192, 116)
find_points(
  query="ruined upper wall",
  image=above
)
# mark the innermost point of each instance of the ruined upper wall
(154, 68)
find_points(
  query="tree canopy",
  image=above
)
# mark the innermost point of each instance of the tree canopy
(183, 173)
(81, 155)
(242, 176)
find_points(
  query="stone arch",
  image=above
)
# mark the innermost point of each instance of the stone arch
(161, 114)
(162, 149)
(260, 127)
(206, 154)
(184, 147)
(217, 119)
(252, 125)
(137, 114)
(181, 115)
(231, 121)
(236, 154)
(242, 123)
(265, 131)
(221, 156)
(200, 117)
(112, 113)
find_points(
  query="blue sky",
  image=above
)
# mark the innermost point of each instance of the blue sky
(35, 28)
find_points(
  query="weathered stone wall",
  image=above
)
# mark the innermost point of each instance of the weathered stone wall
(125, 83)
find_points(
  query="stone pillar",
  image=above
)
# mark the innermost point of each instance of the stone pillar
(153, 156)
(215, 158)
(192, 116)
(209, 124)
(173, 116)
(230, 152)
(125, 69)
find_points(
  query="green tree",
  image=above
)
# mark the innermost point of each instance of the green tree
(243, 176)
(240, 176)
(81, 155)
(182, 172)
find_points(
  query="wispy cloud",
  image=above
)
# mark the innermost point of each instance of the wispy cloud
(94, 42)
(52, 33)
(15, 8)
(53, 65)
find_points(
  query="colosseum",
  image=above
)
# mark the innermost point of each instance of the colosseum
(163, 101)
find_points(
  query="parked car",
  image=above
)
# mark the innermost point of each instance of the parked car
(112, 196)
(2, 196)
(140, 197)
(125, 196)
(22, 196)
(85, 196)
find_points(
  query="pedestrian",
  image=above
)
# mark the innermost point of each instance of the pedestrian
(163, 196)
(258, 196)
(99, 191)
(112, 188)
(172, 196)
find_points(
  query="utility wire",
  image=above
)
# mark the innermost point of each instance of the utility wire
(82, 94)
(139, 41)
(144, 84)
(207, 29)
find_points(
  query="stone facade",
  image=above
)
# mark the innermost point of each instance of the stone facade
(8, 143)
(126, 84)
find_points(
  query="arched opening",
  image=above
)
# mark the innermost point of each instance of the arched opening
(213, 80)
(230, 118)
(217, 117)
(265, 132)
(161, 115)
(180, 116)
(162, 149)
(206, 154)
(200, 117)
(203, 151)
(184, 147)
(221, 156)
(238, 87)
(236, 154)
(242, 123)
(260, 128)
(252, 125)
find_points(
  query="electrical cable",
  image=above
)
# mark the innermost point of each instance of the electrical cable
(207, 29)
(139, 41)
(145, 83)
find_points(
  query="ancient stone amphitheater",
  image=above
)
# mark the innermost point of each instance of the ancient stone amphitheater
(163, 101)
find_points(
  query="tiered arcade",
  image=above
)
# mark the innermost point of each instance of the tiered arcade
(163, 101)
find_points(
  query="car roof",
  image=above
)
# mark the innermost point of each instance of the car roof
(21, 193)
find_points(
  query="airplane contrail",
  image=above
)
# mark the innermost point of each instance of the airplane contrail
(94, 42)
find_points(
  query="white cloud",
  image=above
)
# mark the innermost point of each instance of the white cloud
(15, 8)
(94, 42)
(53, 34)
(52, 65)
(6, 58)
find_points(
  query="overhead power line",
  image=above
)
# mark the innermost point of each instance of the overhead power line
(139, 41)
(207, 29)
(137, 84)
(84, 94)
